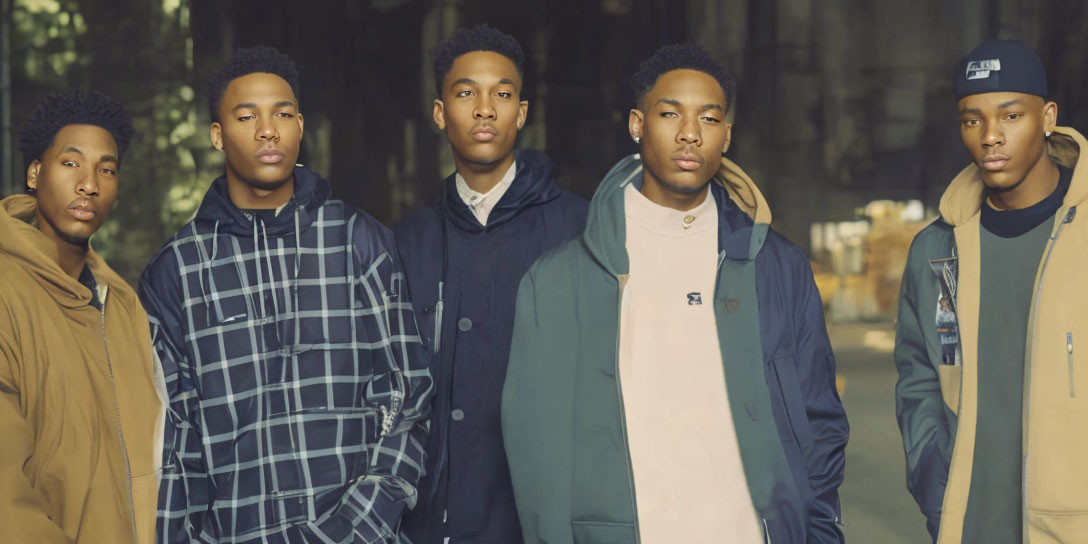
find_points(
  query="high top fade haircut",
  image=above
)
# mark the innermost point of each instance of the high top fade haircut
(57, 111)
(688, 55)
(245, 61)
(478, 38)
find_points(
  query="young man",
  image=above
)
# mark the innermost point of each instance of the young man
(464, 256)
(80, 410)
(671, 378)
(298, 386)
(1002, 421)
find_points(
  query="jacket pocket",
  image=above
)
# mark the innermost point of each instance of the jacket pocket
(950, 377)
(1069, 353)
(1057, 526)
(603, 532)
(790, 397)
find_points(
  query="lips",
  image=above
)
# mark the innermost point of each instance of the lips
(484, 133)
(270, 155)
(687, 161)
(82, 209)
(994, 163)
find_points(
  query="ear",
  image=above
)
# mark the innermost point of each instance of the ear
(301, 122)
(1050, 116)
(634, 124)
(439, 114)
(215, 132)
(32, 173)
(728, 137)
(523, 113)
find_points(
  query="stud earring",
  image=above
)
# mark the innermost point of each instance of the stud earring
(638, 140)
(1048, 134)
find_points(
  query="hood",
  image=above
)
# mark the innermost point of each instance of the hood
(534, 184)
(28, 248)
(963, 198)
(743, 211)
(311, 191)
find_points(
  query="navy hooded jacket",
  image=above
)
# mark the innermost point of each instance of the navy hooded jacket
(464, 280)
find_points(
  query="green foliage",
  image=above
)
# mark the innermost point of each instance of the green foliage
(139, 52)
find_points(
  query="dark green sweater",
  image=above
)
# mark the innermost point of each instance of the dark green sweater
(1012, 245)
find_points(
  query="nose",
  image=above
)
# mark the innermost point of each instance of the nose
(484, 109)
(266, 130)
(689, 133)
(88, 184)
(992, 136)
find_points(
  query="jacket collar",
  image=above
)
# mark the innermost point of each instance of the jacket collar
(311, 191)
(534, 184)
(744, 216)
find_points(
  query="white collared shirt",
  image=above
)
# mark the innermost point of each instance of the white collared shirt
(481, 204)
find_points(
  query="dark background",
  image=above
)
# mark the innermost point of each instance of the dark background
(840, 102)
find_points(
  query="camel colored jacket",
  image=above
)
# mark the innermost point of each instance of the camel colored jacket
(937, 404)
(79, 406)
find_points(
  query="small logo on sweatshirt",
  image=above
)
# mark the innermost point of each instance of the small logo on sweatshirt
(695, 298)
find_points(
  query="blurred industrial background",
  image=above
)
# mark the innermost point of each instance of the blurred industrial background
(844, 117)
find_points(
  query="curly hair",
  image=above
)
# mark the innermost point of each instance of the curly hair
(687, 55)
(59, 110)
(478, 38)
(245, 61)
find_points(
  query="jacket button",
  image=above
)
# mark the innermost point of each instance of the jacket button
(457, 414)
(464, 324)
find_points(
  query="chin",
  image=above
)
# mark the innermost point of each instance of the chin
(684, 186)
(267, 183)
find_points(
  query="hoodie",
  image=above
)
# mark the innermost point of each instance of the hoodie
(298, 385)
(80, 412)
(562, 415)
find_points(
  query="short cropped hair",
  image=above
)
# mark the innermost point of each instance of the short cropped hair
(687, 55)
(245, 61)
(478, 38)
(57, 111)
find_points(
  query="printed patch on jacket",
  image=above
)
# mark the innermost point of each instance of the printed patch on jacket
(947, 325)
(695, 298)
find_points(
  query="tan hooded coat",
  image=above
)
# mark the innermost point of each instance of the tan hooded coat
(1055, 410)
(79, 406)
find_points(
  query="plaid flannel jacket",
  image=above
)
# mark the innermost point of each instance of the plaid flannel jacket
(298, 385)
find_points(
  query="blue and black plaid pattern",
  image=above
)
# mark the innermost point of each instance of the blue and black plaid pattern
(299, 388)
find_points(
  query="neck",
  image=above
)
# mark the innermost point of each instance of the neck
(1040, 182)
(71, 258)
(250, 197)
(483, 177)
(658, 194)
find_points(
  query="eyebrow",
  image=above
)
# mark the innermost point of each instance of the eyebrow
(973, 111)
(68, 148)
(704, 107)
(464, 80)
(506, 81)
(251, 105)
(1012, 102)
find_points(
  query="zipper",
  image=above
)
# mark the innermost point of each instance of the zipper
(120, 433)
(766, 532)
(1069, 351)
(623, 414)
(438, 307)
(1025, 403)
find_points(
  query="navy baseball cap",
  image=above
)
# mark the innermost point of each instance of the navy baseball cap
(1001, 66)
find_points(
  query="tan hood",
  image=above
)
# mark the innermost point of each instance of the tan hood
(743, 191)
(21, 241)
(963, 198)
